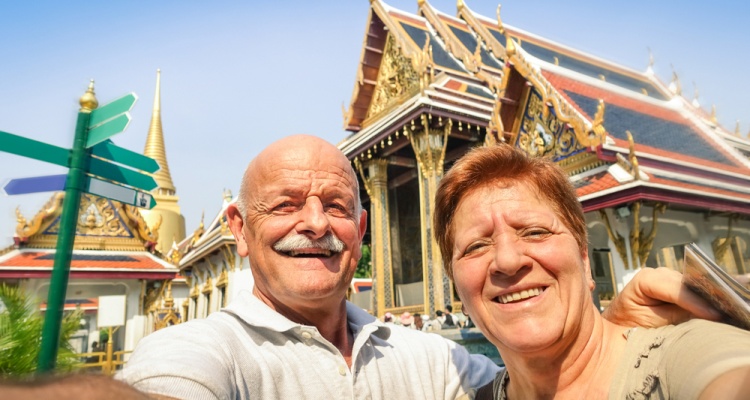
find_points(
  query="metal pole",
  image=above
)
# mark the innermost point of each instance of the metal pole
(59, 280)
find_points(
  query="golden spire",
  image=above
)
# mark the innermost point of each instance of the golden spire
(737, 128)
(88, 101)
(155, 144)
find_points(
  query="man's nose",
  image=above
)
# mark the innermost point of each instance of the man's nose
(313, 219)
(509, 257)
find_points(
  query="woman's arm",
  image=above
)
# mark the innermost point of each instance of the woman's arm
(657, 297)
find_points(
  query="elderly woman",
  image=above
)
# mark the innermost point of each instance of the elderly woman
(513, 238)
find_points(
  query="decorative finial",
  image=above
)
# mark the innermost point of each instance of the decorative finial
(675, 86)
(650, 68)
(420, 3)
(714, 120)
(510, 47)
(88, 101)
(737, 129)
(499, 20)
(227, 195)
(460, 5)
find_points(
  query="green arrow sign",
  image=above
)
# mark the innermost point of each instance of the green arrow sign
(41, 151)
(119, 193)
(108, 129)
(112, 172)
(112, 109)
(110, 151)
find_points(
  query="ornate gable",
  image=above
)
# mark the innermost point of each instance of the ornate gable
(102, 224)
(397, 80)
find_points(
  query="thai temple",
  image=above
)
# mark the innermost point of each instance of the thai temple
(653, 170)
(118, 251)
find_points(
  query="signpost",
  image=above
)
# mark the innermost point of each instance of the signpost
(92, 154)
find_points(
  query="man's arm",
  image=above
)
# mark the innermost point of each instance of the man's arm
(657, 297)
(79, 387)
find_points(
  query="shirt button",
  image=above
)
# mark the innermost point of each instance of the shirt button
(342, 370)
(306, 335)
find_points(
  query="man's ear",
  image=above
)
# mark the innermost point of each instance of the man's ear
(236, 224)
(362, 224)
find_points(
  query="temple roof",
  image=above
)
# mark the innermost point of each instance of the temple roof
(206, 239)
(38, 263)
(464, 67)
(102, 224)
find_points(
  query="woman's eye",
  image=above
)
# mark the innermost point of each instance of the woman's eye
(536, 233)
(473, 248)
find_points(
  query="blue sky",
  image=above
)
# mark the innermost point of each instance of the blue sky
(238, 75)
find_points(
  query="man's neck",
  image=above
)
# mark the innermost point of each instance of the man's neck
(330, 320)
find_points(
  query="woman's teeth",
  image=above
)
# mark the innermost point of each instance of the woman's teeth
(524, 294)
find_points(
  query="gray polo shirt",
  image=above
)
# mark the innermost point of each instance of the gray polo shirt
(249, 351)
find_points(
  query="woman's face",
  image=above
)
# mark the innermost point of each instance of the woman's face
(518, 269)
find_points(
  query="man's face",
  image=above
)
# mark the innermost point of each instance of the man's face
(302, 232)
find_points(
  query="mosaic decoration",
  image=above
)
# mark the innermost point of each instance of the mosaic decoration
(542, 134)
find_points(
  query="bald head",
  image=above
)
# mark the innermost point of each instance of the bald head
(296, 149)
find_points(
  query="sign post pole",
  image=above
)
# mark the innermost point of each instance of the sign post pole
(60, 272)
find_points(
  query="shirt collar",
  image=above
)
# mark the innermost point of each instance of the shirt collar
(252, 311)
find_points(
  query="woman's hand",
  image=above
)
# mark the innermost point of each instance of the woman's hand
(657, 297)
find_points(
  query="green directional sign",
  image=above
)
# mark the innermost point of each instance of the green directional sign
(119, 193)
(93, 129)
(112, 172)
(108, 129)
(41, 151)
(110, 151)
(112, 109)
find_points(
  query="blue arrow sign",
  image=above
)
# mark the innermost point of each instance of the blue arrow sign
(49, 183)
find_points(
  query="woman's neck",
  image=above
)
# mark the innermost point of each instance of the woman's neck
(581, 368)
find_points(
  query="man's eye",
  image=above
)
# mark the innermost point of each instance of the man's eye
(286, 206)
(337, 208)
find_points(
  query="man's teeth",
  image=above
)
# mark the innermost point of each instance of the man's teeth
(324, 253)
(524, 294)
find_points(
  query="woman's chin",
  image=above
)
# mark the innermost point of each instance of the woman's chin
(525, 339)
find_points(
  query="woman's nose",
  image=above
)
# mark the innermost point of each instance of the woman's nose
(509, 257)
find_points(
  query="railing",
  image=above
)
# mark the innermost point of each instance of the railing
(99, 360)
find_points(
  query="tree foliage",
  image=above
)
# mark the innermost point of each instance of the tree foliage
(364, 266)
(21, 335)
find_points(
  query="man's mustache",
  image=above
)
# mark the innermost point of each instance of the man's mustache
(296, 241)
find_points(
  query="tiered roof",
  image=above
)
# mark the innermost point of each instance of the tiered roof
(581, 110)
(112, 242)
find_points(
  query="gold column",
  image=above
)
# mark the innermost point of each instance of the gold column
(429, 148)
(376, 184)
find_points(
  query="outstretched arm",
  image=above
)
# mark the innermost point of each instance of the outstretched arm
(657, 297)
(79, 387)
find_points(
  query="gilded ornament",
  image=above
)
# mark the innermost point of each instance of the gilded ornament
(397, 79)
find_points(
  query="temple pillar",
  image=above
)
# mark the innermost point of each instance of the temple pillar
(376, 184)
(429, 148)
